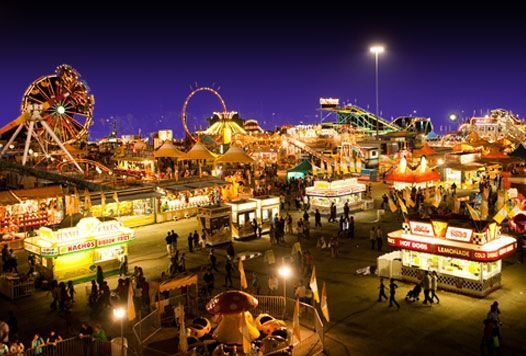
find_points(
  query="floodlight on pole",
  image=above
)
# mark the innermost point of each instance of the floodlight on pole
(285, 271)
(120, 314)
(376, 50)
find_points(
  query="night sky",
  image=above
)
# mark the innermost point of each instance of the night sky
(271, 62)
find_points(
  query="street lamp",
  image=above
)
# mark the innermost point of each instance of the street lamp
(119, 314)
(285, 272)
(376, 50)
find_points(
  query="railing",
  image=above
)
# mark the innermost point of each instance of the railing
(146, 328)
(73, 346)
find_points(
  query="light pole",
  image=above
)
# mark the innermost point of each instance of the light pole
(285, 272)
(376, 50)
(119, 314)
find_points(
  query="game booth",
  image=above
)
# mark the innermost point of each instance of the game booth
(339, 192)
(215, 221)
(243, 213)
(72, 253)
(267, 207)
(467, 257)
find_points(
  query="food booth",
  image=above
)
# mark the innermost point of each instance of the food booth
(267, 207)
(26, 209)
(72, 253)
(133, 207)
(215, 221)
(339, 192)
(243, 213)
(467, 260)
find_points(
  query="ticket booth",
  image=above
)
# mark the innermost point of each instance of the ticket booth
(215, 222)
(267, 207)
(243, 214)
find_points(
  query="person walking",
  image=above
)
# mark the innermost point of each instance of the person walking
(427, 288)
(169, 243)
(190, 242)
(350, 229)
(317, 218)
(213, 260)
(392, 293)
(381, 293)
(434, 284)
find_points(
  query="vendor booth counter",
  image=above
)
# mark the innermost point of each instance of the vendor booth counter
(267, 207)
(215, 222)
(72, 253)
(243, 215)
(14, 286)
(467, 261)
(323, 194)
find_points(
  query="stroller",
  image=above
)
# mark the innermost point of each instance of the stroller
(413, 295)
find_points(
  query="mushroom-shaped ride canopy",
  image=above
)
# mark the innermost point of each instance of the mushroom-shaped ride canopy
(232, 306)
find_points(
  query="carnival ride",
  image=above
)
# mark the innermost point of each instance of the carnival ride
(56, 110)
(224, 126)
(361, 120)
(499, 124)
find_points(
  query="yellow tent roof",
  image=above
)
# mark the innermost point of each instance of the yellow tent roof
(198, 151)
(235, 155)
(168, 149)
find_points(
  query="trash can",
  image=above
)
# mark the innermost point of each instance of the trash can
(119, 346)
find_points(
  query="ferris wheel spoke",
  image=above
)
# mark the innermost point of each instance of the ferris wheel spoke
(43, 93)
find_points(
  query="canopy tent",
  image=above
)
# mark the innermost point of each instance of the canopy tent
(300, 171)
(178, 282)
(168, 149)
(426, 150)
(235, 155)
(198, 151)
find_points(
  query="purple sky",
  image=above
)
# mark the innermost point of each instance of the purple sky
(272, 63)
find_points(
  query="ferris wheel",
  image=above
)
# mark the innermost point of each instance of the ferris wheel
(67, 105)
(184, 119)
(56, 110)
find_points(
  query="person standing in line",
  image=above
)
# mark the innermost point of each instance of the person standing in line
(175, 236)
(379, 238)
(381, 293)
(99, 276)
(169, 243)
(350, 230)
(71, 291)
(392, 292)
(372, 237)
(434, 284)
(196, 240)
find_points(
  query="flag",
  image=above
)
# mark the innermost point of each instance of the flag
(484, 209)
(324, 306)
(438, 198)
(314, 285)
(116, 197)
(402, 205)
(103, 202)
(391, 203)
(501, 198)
(242, 277)
(296, 329)
(514, 211)
(130, 306)
(501, 215)
(474, 214)
(246, 333)
(87, 201)
(76, 201)
(407, 197)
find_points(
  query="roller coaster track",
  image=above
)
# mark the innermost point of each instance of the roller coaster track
(362, 120)
(86, 162)
(512, 127)
(302, 146)
(51, 176)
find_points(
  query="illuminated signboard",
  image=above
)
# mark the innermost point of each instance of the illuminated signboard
(48, 251)
(458, 234)
(453, 251)
(107, 227)
(32, 248)
(67, 234)
(84, 245)
(420, 228)
(113, 240)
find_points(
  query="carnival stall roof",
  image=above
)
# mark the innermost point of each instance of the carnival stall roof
(178, 282)
(8, 198)
(234, 155)
(519, 152)
(198, 151)
(168, 149)
(300, 171)
(51, 191)
(404, 174)
(426, 150)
